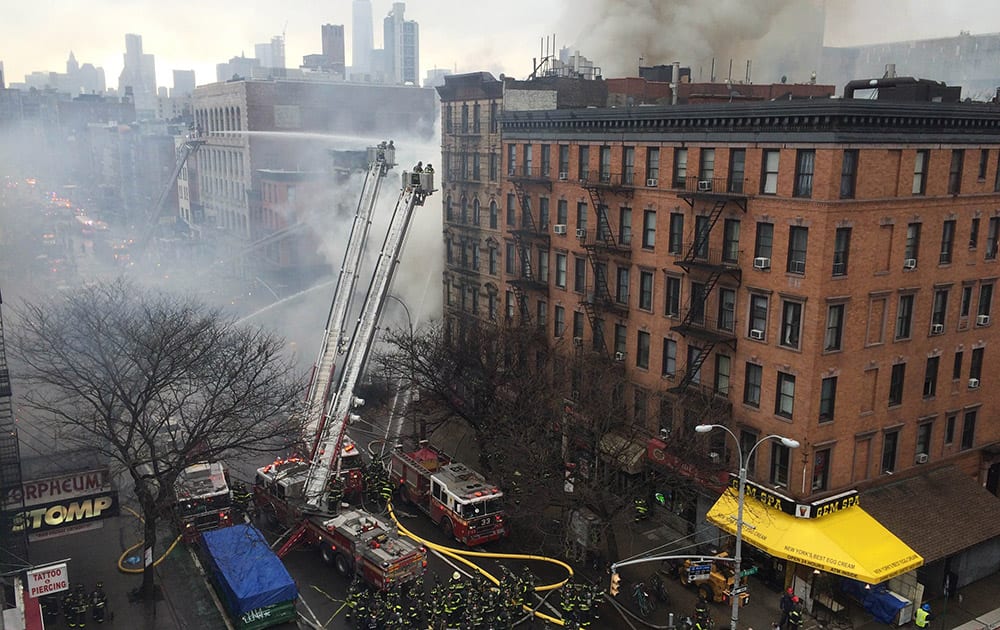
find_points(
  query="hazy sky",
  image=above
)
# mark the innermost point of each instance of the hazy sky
(38, 34)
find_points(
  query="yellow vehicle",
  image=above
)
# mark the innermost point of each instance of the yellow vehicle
(713, 579)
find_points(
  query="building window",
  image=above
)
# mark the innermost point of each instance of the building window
(509, 305)
(890, 442)
(752, 381)
(841, 251)
(577, 325)
(560, 321)
(669, 367)
(698, 297)
(924, 433)
(920, 172)
(969, 429)
(849, 174)
(974, 233)
(798, 238)
(784, 400)
(896, 381)
(930, 377)
(526, 168)
(955, 172)
(758, 316)
(947, 242)
(694, 363)
(956, 366)
(649, 229)
(727, 309)
(791, 324)
(821, 469)
(583, 163)
(949, 428)
(834, 327)
(509, 259)
(966, 301)
(621, 336)
(625, 226)
(672, 306)
(511, 210)
(827, 399)
(581, 216)
(702, 227)
(646, 290)
(621, 289)
(494, 167)
(780, 458)
(493, 259)
(604, 164)
(938, 311)
(976, 366)
(805, 166)
(543, 213)
(675, 244)
(984, 160)
(628, 166)
(494, 215)
(680, 167)
(722, 367)
(652, 165)
(904, 316)
(476, 212)
(546, 159)
(563, 161)
(731, 240)
(642, 350)
(992, 238)
(511, 159)
(769, 172)
(985, 299)
(562, 212)
(764, 242)
(737, 169)
(543, 266)
(579, 274)
(542, 314)
(706, 165)
(561, 270)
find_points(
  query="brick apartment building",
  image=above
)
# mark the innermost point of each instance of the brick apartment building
(822, 270)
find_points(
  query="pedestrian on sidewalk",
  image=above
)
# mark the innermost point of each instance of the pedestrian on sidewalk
(786, 606)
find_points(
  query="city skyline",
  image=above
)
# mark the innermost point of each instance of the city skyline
(447, 40)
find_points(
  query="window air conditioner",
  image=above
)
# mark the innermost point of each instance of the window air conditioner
(563, 176)
(761, 262)
(910, 263)
(578, 341)
(652, 182)
(797, 266)
(973, 383)
(619, 356)
(982, 320)
(922, 458)
(559, 228)
(757, 334)
(937, 329)
(581, 232)
(714, 457)
(704, 185)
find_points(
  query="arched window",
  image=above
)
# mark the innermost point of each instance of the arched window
(494, 215)
(475, 211)
(465, 210)
(447, 208)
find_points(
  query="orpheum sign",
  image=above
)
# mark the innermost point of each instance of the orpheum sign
(66, 504)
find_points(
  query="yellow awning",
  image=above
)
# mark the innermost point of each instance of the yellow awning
(848, 542)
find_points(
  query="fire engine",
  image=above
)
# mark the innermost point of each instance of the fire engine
(463, 504)
(203, 500)
(296, 492)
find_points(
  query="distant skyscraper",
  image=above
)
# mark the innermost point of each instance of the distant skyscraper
(183, 84)
(402, 47)
(72, 66)
(362, 36)
(271, 54)
(333, 46)
(139, 74)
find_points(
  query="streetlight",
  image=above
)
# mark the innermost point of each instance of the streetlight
(744, 463)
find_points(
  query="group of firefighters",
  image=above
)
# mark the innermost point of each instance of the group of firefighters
(468, 604)
(75, 605)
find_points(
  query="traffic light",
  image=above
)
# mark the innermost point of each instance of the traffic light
(616, 581)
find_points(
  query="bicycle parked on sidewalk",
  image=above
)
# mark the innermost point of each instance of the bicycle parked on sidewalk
(642, 601)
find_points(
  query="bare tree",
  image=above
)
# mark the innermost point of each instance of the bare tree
(155, 383)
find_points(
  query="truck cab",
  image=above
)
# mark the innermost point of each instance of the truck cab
(204, 501)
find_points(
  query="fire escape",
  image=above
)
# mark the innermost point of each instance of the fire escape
(527, 233)
(13, 545)
(705, 266)
(602, 245)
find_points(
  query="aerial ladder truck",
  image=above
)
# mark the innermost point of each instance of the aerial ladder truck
(294, 491)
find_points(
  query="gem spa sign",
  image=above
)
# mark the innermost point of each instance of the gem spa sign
(787, 505)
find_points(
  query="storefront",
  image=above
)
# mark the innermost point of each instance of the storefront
(832, 537)
(686, 491)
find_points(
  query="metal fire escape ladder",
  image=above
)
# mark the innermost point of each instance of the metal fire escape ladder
(605, 236)
(13, 544)
(188, 148)
(700, 241)
(327, 459)
(334, 338)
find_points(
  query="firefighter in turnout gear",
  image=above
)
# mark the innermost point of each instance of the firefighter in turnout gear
(242, 498)
(795, 615)
(335, 495)
(79, 607)
(641, 509)
(98, 603)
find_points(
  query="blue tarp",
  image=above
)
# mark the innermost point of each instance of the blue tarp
(876, 599)
(249, 574)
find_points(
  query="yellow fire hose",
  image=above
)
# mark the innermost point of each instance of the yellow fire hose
(457, 554)
(125, 554)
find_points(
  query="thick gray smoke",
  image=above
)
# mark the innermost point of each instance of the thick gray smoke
(780, 37)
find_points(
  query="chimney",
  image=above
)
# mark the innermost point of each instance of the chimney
(675, 76)
(890, 71)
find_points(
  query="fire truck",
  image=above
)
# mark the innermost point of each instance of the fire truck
(296, 492)
(462, 503)
(204, 501)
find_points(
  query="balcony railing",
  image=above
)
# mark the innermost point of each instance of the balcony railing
(727, 257)
(737, 186)
(532, 174)
(607, 179)
(605, 239)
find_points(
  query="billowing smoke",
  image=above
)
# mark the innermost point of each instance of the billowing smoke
(780, 37)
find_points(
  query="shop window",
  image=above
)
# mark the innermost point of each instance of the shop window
(821, 470)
